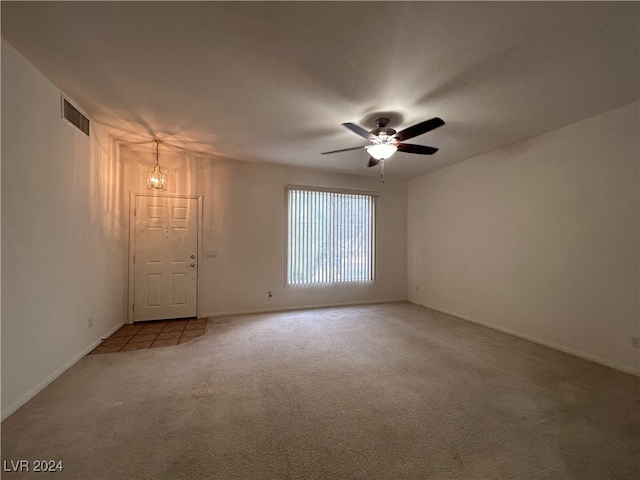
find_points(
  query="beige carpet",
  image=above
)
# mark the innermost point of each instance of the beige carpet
(390, 391)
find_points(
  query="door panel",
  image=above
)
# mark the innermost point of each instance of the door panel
(154, 242)
(165, 258)
(178, 243)
(179, 296)
(154, 290)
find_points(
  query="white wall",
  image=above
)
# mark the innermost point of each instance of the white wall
(63, 238)
(539, 239)
(244, 221)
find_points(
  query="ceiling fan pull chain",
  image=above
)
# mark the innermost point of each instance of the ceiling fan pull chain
(382, 170)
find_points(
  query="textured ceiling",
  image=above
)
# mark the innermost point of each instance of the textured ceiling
(272, 81)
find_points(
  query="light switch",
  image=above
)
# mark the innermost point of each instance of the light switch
(212, 253)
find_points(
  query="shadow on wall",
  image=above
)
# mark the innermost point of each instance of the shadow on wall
(106, 196)
(179, 168)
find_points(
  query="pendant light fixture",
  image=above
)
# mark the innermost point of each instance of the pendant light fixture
(156, 180)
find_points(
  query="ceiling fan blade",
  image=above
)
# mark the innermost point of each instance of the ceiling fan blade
(419, 129)
(343, 150)
(358, 130)
(372, 162)
(419, 149)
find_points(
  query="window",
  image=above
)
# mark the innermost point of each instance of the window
(331, 236)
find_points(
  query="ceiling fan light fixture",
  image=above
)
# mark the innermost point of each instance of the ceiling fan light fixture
(156, 180)
(381, 151)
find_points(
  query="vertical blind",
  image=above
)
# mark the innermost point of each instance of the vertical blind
(330, 236)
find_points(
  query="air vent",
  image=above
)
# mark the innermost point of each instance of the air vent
(74, 117)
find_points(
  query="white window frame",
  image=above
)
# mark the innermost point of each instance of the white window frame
(345, 273)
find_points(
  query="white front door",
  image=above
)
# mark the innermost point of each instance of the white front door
(165, 258)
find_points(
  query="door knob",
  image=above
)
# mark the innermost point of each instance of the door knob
(193, 256)
(192, 265)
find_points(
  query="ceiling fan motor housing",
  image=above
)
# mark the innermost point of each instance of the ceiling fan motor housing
(382, 128)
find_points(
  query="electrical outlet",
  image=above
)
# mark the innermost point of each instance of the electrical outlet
(270, 294)
(635, 342)
(417, 288)
(90, 322)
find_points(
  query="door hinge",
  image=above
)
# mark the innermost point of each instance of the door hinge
(135, 212)
(133, 306)
(134, 259)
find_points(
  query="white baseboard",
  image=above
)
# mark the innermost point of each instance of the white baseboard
(11, 409)
(299, 307)
(555, 346)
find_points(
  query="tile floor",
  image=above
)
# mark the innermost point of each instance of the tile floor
(160, 333)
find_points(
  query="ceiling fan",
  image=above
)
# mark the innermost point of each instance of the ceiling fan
(385, 141)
